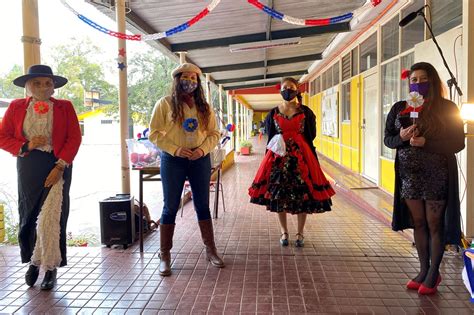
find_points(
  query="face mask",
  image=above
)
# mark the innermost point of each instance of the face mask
(42, 94)
(421, 88)
(288, 94)
(188, 86)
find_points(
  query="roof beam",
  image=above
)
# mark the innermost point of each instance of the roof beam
(261, 64)
(262, 77)
(257, 37)
(246, 86)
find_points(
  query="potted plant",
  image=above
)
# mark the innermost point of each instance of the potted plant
(245, 147)
(82, 240)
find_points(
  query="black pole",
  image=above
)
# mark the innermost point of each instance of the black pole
(452, 81)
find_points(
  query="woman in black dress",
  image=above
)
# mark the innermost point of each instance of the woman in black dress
(426, 176)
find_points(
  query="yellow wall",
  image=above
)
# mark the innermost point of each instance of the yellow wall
(387, 175)
(347, 150)
(258, 117)
(355, 123)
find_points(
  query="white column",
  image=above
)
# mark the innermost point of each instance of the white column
(247, 134)
(230, 117)
(208, 88)
(182, 57)
(31, 40)
(123, 96)
(238, 126)
(468, 97)
(221, 107)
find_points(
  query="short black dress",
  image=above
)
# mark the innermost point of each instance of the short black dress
(423, 174)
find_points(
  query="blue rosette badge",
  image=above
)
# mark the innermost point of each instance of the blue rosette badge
(190, 125)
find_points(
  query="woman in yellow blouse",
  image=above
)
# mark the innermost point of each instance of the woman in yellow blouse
(183, 126)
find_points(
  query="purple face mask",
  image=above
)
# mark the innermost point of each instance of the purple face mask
(421, 88)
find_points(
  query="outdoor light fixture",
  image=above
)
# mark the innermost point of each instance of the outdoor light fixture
(265, 44)
(467, 111)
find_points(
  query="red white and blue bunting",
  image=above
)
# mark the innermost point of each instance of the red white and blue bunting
(297, 21)
(138, 37)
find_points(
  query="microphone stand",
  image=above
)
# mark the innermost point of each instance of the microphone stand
(452, 81)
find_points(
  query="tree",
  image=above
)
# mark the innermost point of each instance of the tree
(7, 88)
(77, 60)
(149, 79)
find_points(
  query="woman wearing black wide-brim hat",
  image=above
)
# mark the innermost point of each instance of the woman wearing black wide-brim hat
(44, 134)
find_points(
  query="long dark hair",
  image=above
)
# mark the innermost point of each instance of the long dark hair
(295, 82)
(431, 122)
(178, 98)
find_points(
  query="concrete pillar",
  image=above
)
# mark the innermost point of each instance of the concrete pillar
(230, 117)
(31, 40)
(468, 97)
(221, 107)
(238, 126)
(208, 88)
(123, 96)
(182, 57)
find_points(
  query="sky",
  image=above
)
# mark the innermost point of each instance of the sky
(56, 25)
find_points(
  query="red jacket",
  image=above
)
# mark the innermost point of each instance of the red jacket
(66, 137)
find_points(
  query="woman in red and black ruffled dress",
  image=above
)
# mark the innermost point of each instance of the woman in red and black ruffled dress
(292, 182)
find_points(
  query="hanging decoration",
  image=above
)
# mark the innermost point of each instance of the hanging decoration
(138, 37)
(121, 59)
(297, 21)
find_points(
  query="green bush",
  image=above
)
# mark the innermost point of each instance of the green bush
(245, 144)
(12, 225)
(81, 239)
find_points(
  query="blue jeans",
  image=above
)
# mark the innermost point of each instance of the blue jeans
(174, 171)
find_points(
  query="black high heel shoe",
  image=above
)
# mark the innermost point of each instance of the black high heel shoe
(299, 242)
(49, 280)
(31, 275)
(284, 241)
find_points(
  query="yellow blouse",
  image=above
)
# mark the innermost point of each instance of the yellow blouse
(169, 136)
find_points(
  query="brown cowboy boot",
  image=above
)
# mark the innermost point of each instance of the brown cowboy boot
(166, 243)
(207, 233)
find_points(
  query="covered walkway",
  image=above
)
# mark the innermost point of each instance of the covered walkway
(351, 263)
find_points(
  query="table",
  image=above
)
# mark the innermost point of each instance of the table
(151, 174)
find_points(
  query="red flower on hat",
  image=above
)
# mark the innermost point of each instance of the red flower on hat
(41, 107)
(405, 74)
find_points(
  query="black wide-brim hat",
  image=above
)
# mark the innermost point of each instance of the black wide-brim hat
(42, 71)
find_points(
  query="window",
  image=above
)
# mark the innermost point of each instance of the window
(446, 15)
(323, 81)
(355, 61)
(335, 73)
(405, 63)
(412, 33)
(390, 39)
(317, 85)
(329, 78)
(368, 53)
(346, 101)
(346, 67)
(390, 79)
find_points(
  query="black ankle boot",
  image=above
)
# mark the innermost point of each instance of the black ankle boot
(31, 275)
(49, 280)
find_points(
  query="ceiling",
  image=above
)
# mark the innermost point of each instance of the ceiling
(235, 22)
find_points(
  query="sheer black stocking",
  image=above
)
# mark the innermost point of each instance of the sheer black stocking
(435, 216)
(421, 233)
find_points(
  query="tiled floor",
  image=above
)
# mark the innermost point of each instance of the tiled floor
(351, 263)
